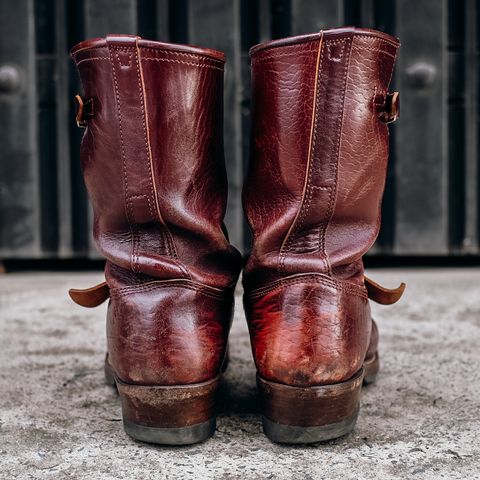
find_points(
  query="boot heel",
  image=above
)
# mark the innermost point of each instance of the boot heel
(171, 415)
(309, 414)
(109, 374)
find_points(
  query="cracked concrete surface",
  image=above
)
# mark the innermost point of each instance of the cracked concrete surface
(420, 420)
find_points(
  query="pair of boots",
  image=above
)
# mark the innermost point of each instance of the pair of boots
(152, 157)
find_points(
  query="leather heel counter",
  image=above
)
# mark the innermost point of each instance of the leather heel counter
(168, 333)
(309, 330)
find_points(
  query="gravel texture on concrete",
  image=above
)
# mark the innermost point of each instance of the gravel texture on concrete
(420, 420)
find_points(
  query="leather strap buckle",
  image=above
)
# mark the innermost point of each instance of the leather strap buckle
(84, 109)
(391, 108)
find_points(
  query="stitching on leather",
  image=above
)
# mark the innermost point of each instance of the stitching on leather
(150, 206)
(373, 49)
(308, 278)
(199, 65)
(335, 59)
(91, 59)
(298, 220)
(339, 129)
(376, 38)
(349, 290)
(392, 69)
(167, 284)
(165, 232)
(266, 58)
(149, 164)
(312, 42)
(304, 43)
(292, 51)
(128, 209)
(145, 137)
(90, 50)
(311, 188)
(129, 64)
(203, 289)
(340, 40)
(314, 147)
(182, 54)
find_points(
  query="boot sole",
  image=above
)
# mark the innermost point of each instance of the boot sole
(301, 415)
(167, 415)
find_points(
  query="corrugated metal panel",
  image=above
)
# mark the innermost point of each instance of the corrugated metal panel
(431, 205)
(20, 212)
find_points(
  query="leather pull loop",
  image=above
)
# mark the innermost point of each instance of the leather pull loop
(90, 297)
(382, 295)
(84, 109)
(390, 111)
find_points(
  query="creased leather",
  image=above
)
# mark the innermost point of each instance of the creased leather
(312, 198)
(152, 159)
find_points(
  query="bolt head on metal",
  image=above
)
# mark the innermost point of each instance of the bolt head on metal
(421, 75)
(9, 79)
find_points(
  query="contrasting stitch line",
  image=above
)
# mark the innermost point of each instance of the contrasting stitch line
(283, 254)
(200, 65)
(91, 59)
(331, 206)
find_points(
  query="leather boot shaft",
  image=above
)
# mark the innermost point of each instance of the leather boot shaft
(152, 157)
(319, 153)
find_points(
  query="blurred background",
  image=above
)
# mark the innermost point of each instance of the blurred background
(431, 209)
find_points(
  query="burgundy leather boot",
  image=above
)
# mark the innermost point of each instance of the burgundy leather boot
(152, 158)
(312, 198)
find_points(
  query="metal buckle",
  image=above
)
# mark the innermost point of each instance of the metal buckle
(391, 109)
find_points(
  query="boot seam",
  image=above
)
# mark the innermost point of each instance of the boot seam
(216, 293)
(293, 52)
(184, 54)
(91, 59)
(128, 206)
(153, 190)
(338, 142)
(150, 195)
(319, 278)
(304, 39)
(199, 65)
(146, 139)
(307, 200)
(286, 243)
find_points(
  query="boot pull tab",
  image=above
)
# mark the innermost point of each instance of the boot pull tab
(85, 108)
(90, 297)
(382, 295)
(388, 106)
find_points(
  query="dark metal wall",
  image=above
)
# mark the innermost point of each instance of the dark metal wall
(431, 205)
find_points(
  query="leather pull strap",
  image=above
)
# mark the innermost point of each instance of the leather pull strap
(85, 109)
(90, 297)
(382, 295)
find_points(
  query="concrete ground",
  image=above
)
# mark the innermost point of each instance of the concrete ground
(419, 421)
